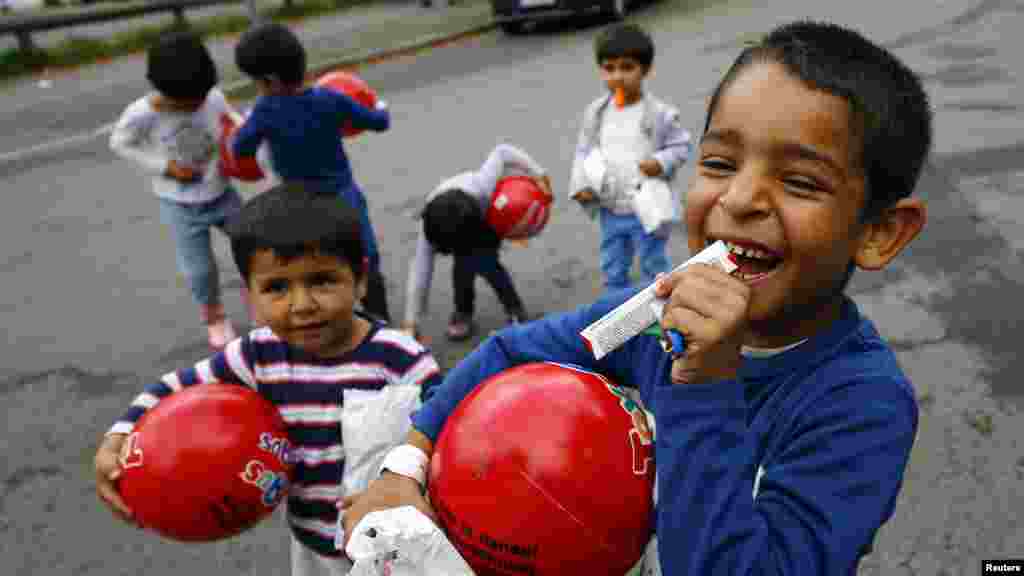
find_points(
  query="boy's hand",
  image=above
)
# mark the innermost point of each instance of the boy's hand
(381, 105)
(650, 167)
(180, 173)
(709, 308)
(108, 470)
(584, 195)
(389, 491)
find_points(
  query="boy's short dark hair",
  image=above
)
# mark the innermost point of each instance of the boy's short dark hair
(624, 41)
(453, 224)
(271, 50)
(179, 66)
(890, 110)
(290, 221)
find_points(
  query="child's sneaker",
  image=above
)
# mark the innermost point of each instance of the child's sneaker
(219, 333)
(460, 328)
(218, 330)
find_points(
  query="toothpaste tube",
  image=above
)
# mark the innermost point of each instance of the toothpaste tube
(644, 309)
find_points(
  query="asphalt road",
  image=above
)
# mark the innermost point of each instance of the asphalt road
(55, 106)
(93, 309)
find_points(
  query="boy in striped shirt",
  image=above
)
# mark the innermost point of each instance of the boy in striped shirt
(345, 384)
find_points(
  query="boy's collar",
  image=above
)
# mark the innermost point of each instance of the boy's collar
(810, 351)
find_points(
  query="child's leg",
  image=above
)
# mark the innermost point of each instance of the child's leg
(489, 266)
(460, 326)
(616, 249)
(190, 225)
(305, 562)
(463, 279)
(194, 252)
(376, 300)
(653, 255)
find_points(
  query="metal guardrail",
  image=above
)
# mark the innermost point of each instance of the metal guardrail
(23, 25)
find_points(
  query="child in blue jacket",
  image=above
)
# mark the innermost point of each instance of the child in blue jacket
(784, 428)
(301, 127)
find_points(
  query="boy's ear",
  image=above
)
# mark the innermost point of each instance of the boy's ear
(885, 236)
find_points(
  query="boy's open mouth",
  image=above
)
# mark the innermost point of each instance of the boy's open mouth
(754, 262)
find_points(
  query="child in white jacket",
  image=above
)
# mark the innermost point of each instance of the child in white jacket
(173, 133)
(454, 223)
(637, 136)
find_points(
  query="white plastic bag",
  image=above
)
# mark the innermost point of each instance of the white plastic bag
(402, 542)
(594, 170)
(653, 205)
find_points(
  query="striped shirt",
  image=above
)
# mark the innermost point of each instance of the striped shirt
(343, 414)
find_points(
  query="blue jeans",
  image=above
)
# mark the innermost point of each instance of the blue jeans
(190, 226)
(621, 236)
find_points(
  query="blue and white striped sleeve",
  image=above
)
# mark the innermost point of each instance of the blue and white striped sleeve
(233, 365)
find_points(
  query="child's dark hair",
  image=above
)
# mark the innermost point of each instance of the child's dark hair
(453, 223)
(179, 66)
(891, 115)
(291, 221)
(271, 51)
(624, 41)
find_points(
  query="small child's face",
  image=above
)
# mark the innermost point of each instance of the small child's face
(776, 172)
(307, 301)
(626, 74)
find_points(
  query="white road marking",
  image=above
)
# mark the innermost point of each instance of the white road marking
(83, 137)
(79, 138)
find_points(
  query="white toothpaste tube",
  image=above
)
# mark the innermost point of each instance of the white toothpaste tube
(644, 309)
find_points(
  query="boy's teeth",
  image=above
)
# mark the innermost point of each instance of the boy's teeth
(749, 252)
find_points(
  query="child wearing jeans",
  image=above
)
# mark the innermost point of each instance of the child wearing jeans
(173, 134)
(638, 136)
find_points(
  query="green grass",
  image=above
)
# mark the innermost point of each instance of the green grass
(78, 51)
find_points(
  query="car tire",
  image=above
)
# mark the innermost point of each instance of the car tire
(512, 28)
(617, 9)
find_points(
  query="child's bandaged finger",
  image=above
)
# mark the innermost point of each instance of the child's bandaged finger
(519, 242)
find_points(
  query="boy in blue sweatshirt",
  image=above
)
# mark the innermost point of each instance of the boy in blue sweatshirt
(785, 426)
(301, 127)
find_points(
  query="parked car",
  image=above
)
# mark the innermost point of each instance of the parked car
(513, 14)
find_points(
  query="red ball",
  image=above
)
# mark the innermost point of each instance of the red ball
(206, 463)
(545, 469)
(246, 169)
(519, 207)
(352, 86)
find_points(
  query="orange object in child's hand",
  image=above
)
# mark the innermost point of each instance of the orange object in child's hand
(620, 98)
(181, 173)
